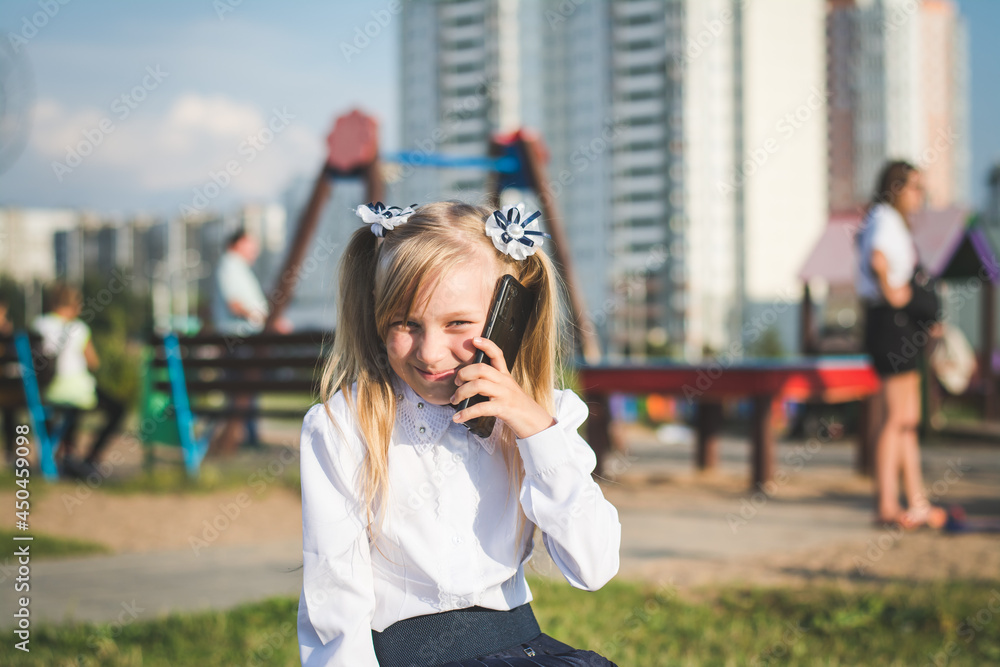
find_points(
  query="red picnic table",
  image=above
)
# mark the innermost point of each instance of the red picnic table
(816, 379)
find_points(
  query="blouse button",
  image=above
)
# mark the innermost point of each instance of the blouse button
(456, 539)
(420, 405)
(422, 430)
(399, 397)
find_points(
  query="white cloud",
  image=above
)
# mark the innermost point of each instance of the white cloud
(179, 147)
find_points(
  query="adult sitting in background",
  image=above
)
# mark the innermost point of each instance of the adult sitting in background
(73, 388)
(239, 308)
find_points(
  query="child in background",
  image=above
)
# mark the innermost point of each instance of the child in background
(74, 389)
(416, 531)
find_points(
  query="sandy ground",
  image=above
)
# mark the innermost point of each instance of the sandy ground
(679, 526)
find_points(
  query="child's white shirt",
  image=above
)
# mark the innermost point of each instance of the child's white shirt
(448, 539)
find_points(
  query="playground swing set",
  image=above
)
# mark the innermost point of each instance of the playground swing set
(174, 369)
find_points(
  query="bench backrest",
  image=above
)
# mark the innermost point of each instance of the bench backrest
(21, 362)
(261, 363)
(11, 384)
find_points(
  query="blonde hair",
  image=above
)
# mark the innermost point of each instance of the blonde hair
(382, 277)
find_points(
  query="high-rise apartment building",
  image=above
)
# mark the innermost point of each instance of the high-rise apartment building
(783, 119)
(897, 76)
(645, 108)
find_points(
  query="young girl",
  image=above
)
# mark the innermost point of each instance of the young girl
(416, 531)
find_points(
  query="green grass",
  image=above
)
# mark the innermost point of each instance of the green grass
(271, 469)
(48, 546)
(635, 626)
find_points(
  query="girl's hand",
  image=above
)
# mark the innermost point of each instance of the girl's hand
(507, 400)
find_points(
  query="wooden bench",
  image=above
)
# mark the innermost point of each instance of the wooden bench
(823, 379)
(21, 361)
(194, 383)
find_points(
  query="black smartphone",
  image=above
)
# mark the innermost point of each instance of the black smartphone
(508, 318)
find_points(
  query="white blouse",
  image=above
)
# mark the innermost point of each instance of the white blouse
(884, 229)
(449, 537)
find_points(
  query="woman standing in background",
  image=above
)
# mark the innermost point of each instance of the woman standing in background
(901, 314)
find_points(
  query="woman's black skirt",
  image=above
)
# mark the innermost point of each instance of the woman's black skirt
(894, 339)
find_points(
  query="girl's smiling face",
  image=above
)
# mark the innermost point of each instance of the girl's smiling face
(428, 349)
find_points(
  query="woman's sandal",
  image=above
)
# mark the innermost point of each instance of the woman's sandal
(926, 516)
(886, 524)
(923, 516)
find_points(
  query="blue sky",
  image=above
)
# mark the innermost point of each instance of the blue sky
(228, 69)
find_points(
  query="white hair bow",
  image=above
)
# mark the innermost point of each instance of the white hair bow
(383, 218)
(513, 236)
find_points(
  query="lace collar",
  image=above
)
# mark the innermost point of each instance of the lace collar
(423, 424)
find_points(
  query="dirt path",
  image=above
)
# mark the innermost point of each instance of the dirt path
(137, 523)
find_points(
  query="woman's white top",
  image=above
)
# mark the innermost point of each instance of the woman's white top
(884, 229)
(449, 538)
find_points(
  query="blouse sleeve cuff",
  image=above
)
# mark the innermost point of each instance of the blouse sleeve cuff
(546, 450)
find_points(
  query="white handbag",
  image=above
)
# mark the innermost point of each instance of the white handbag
(953, 360)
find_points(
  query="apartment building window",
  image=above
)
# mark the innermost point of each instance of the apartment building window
(637, 70)
(643, 146)
(462, 68)
(463, 44)
(461, 21)
(638, 19)
(640, 171)
(639, 121)
(641, 95)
